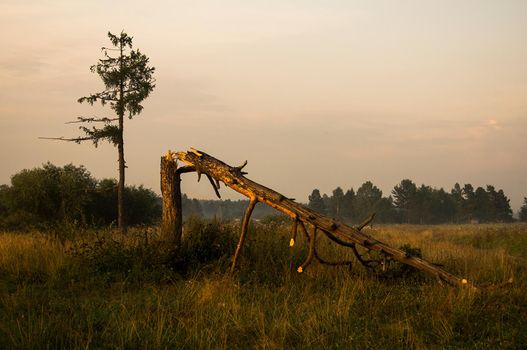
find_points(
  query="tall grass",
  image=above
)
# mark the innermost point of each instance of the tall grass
(105, 291)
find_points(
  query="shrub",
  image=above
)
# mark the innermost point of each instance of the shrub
(204, 243)
(134, 258)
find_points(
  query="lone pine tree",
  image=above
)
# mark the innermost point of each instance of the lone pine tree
(128, 80)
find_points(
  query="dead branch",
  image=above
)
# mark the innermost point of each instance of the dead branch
(214, 186)
(92, 120)
(75, 139)
(294, 231)
(366, 222)
(311, 255)
(245, 225)
(320, 260)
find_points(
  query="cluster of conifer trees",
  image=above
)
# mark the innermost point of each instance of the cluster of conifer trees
(409, 203)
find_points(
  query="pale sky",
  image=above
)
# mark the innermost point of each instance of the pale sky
(314, 94)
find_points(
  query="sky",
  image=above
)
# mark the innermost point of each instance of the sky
(314, 94)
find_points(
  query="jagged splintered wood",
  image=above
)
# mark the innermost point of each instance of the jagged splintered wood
(338, 232)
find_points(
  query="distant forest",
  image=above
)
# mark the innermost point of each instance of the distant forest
(50, 195)
(408, 203)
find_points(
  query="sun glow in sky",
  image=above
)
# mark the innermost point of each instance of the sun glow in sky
(314, 94)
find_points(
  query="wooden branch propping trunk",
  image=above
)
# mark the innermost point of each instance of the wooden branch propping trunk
(340, 233)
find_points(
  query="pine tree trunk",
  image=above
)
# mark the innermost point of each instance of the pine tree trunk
(120, 189)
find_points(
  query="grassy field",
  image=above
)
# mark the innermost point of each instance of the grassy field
(98, 290)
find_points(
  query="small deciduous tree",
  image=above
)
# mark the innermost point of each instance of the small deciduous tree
(48, 195)
(128, 80)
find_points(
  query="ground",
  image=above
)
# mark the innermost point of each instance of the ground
(95, 289)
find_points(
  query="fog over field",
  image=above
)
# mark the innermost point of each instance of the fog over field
(313, 94)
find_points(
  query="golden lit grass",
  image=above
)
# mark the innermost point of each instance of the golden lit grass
(267, 305)
(30, 255)
(482, 253)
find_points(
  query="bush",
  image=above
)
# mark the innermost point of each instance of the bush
(20, 220)
(134, 258)
(393, 269)
(204, 243)
(51, 196)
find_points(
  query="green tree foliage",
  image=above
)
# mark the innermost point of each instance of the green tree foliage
(502, 208)
(523, 210)
(336, 203)
(482, 205)
(456, 194)
(348, 205)
(191, 207)
(367, 200)
(51, 195)
(316, 202)
(443, 207)
(418, 205)
(143, 205)
(468, 207)
(405, 199)
(4, 195)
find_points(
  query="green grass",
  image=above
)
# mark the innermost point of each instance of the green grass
(102, 291)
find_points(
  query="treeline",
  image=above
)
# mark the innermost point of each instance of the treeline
(409, 203)
(51, 195)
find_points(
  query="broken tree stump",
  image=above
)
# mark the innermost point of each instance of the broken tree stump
(340, 233)
(171, 192)
(172, 225)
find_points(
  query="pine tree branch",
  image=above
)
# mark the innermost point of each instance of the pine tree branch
(62, 138)
(92, 120)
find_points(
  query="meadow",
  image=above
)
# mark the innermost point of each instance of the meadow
(96, 289)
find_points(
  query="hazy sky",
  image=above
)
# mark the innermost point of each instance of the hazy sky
(314, 94)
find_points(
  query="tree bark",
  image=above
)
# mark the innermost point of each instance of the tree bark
(120, 147)
(172, 225)
(340, 233)
(171, 192)
(120, 189)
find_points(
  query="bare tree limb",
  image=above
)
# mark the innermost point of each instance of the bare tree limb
(92, 120)
(311, 254)
(244, 227)
(214, 186)
(294, 232)
(366, 222)
(76, 139)
(320, 260)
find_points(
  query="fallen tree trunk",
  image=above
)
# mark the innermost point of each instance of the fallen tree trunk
(233, 177)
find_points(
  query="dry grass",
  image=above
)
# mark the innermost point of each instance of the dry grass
(51, 299)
